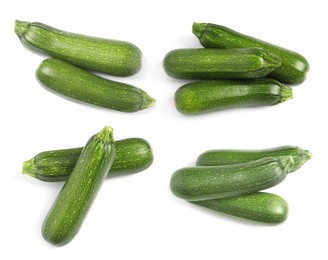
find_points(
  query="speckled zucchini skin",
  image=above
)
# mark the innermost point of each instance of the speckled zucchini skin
(213, 182)
(214, 95)
(260, 207)
(227, 157)
(294, 67)
(81, 85)
(76, 197)
(109, 56)
(220, 63)
(132, 155)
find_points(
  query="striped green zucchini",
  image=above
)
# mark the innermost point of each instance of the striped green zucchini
(220, 63)
(294, 67)
(227, 157)
(81, 85)
(213, 182)
(109, 56)
(208, 96)
(261, 207)
(132, 155)
(76, 197)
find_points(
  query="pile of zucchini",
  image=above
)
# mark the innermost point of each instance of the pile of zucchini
(236, 71)
(230, 181)
(73, 55)
(84, 169)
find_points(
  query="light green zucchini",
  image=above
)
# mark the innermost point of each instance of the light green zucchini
(81, 85)
(76, 197)
(294, 67)
(213, 182)
(113, 57)
(235, 156)
(132, 155)
(214, 95)
(260, 207)
(220, 63)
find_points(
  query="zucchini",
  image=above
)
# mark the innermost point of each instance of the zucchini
(208, 96)
(294, 67)
(213, 182)
(113, 57)
(220, 63)
(227, 157)
(132, 155)
(77, 195)
(261, 207)
(81, 85)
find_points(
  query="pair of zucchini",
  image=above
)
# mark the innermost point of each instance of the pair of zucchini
(84, 170)
(229, 63)
(72, 53)
(229, 181)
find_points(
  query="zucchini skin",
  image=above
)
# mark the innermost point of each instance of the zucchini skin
(260, 207)
(132, 155)
(79, 191)
(214, 95)
(113, 57)
(76, 83)
(294, 67)
(230, 156)
(220, 63)
(213, 182)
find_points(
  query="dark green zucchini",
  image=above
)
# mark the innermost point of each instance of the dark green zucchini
(81, 85)
(261, 207)
(220, 63)
(76, 197)
(132, 155)
(109, 56)
(227, 157)
(213, 182)
(208, 96)
(294, 67)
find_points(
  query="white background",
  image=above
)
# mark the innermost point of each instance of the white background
(137, 217)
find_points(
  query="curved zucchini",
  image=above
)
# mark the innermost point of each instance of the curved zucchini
(220, 63)
(227, 157)
(113, 57)
(84, 86)
(294, 67)
(213, 182)
(132, 155)
(76, 197)
(261, 207)
(209, 96)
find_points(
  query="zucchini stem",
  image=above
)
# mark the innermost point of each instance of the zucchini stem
(30, 168)
(287, 163)
(286, 93)
(106, 135)
(148, 100)
(20, 27)
(307, 154)
(198, 29)
(301, 158)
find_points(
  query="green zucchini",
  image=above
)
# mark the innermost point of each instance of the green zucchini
(227, 157)
(294, 67)
(77, 195)
(81, 85)
(220, 63)
(213, 95)
(213, 182)
(261, 207)
(113, 57)
(132, 155)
